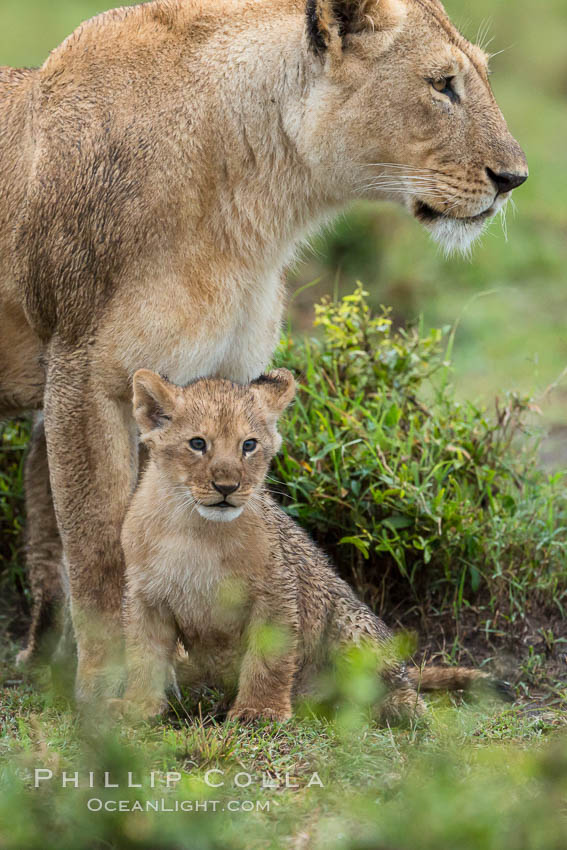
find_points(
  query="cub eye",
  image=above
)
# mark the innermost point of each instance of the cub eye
(248, 446)
(198, 444)
(445, 85)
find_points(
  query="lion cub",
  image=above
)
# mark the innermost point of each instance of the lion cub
(213, 561)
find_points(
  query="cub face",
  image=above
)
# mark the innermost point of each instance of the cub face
(212, 440)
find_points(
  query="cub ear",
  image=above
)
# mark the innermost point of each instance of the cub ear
(275, 391)
(154, 400)
(328, 19)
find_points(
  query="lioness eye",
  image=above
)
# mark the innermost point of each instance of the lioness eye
(198, 444)
(444, 85)
(248, 446)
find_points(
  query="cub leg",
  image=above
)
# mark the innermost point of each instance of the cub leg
(93, 463)
(268, 669)
(43, 548)
(151, 638)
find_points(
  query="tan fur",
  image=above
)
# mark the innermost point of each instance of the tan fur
(159, 171)
(451, 678)
(43, 547)
(215, 585)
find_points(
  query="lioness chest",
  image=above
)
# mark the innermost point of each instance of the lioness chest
(184, 329)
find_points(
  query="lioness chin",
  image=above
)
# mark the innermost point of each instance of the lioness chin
(158, 172)
(213, 561)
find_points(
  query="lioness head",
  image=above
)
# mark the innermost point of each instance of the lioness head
(401, 108)
(213, 440)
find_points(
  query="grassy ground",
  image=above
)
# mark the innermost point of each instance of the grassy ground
(475, 776)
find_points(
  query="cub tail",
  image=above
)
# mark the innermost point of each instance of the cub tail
(458, 679)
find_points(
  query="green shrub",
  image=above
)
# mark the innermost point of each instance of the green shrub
(392, 473)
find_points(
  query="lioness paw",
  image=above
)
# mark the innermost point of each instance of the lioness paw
(136, 709)
(248, 714)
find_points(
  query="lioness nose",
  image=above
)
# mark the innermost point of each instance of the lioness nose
(505, 181)
(225, 489)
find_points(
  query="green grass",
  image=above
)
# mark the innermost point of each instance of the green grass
(474, 776)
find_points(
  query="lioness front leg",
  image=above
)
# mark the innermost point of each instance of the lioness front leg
(267, 672)
(92, 460)
(151, 637)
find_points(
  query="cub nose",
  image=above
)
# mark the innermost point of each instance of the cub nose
(505, 181)
(225, 489)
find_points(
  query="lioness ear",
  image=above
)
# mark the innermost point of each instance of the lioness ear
(340, 18)
(274, 391)
(154, 400)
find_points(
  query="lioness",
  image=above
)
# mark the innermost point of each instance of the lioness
(157, 174)
(211, 559)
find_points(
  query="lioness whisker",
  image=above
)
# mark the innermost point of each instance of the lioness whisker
(400, 178)
(401, 182)
(504, 222)
(414, 192)
(399, 166)
(419, 192)
(401, 185)
(498, 52)
(482, 33)
(410, 187)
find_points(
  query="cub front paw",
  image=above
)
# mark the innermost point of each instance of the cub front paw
(248, 714)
